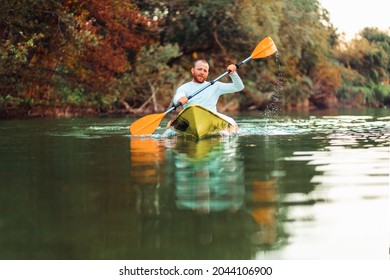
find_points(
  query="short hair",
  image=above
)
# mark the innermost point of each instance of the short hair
(200, 59)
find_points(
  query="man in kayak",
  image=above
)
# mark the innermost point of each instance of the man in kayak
(207, 98)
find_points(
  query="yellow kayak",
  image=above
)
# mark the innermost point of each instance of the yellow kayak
(200, 122)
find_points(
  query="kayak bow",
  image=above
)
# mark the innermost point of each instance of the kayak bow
(200, 122)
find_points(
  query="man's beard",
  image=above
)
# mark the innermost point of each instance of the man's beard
(199, 79)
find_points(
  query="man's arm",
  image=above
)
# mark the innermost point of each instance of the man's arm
(235, 86)
(180, 95)
(237, 82)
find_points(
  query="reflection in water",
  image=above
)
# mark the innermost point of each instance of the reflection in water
(189, 179)
(265, 209)
(200, 196)
(209, 177)
(147, 156)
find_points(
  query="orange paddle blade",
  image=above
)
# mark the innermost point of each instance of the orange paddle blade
(147, 124)
(265, 48)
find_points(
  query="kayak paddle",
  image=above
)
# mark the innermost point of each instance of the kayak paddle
(148, 124)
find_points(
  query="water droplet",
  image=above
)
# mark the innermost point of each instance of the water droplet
(274, 107)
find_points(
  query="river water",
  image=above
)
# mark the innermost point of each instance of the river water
(296, 186)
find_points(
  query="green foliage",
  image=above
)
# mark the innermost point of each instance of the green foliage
(365, 75)
(297, 91)
(381, 94)
(370, 94)
(152, 78)
(368, 55)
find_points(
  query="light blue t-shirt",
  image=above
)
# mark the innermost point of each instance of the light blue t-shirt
(208, 98)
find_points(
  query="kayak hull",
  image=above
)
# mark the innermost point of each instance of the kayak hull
(200, 122)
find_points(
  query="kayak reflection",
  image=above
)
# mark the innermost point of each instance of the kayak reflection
(209, 176)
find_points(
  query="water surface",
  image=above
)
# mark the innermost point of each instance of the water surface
(287, 187)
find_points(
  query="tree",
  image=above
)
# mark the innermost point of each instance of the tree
(25, 29)
(109, 32)
(366, 61)
(152, 82)
(52, 50)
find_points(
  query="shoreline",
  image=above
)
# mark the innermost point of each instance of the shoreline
(74, 112)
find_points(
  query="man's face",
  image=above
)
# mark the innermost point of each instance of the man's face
(200, 72)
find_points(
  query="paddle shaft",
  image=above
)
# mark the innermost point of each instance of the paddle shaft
(208, 85)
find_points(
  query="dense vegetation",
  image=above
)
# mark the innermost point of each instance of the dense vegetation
(94, 56)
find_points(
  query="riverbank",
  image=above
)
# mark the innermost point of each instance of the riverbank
(42, 112)
(71, 111)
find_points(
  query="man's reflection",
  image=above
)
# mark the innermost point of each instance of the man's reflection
(209, 176)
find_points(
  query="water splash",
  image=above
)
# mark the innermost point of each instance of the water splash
(274, 107)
